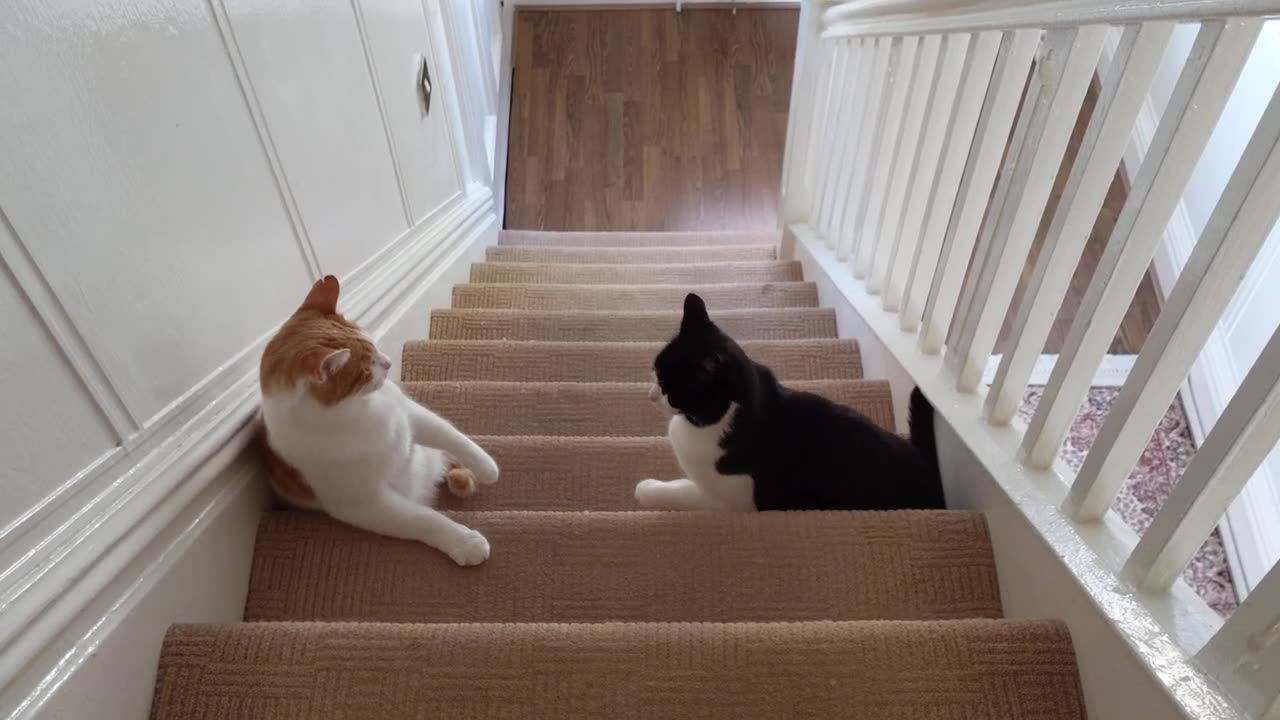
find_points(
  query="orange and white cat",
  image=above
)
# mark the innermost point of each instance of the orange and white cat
(342, 439)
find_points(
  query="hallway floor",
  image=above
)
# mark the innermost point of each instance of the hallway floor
(648, 119)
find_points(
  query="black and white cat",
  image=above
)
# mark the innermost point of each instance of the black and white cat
(748, 443)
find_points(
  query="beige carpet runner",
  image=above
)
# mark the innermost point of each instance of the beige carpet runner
(589, 608)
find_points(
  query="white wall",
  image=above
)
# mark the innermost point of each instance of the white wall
(1254, 312)
(173, 176)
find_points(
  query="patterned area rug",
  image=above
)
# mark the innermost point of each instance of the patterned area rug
(1150, 483)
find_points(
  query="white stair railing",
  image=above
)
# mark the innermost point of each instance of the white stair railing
(931, 137)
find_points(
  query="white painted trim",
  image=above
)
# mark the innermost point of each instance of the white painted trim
(1111, 373)
(80, 540)
(357, 10)
(32, 282)
(915, 17)
(1159, 633)
(300, 234)
(503, 138)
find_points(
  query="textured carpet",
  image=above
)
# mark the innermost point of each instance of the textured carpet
(588, 607)
(683, 274)
(594, 409)
(724, 296)
(648, 255)
(635, 239)
(1150, 483)
(970, 670)
(527, 361)
(622, 326)
(634, 567)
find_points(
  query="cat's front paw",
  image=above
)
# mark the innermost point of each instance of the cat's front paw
(649, 493)
(469, 548)
(486, 471)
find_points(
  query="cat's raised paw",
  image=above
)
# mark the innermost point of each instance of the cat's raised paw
(470, 548)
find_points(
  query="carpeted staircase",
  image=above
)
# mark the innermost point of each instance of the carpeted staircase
(588, 608)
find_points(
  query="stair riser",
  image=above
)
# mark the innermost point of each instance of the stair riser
(530, 273)
(975, 670)
(583, 409)
(608, 362)
(634, 239)
(626, 298)
(633, 567)
(742, 325)
(644, 256)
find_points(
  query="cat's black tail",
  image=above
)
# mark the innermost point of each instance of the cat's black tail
(920, 423)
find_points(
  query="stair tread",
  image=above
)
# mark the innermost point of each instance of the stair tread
(542, 361)
(626, 274)
(637, 255)
(551, 296)
(568, 473)
(626, 326)
(613, 409)
(586, 474)
(633, 566)
(972, 669)
(636, 239)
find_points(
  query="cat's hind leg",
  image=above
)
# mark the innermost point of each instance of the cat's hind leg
(390, 513)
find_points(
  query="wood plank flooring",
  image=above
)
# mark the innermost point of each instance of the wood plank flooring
(648, 119)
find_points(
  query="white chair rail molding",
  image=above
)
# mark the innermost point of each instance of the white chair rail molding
(925, 186)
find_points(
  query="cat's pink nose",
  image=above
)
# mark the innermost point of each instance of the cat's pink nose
(653, 393)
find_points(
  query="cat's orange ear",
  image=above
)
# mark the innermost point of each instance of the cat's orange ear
(323, 296)
(321, 364)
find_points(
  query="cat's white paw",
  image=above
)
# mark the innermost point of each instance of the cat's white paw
(648, 493)
(487, 471)
(469, 548)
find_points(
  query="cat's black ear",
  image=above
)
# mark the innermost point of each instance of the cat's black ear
(695, 313)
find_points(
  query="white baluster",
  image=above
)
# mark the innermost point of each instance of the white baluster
(868, 149)
(1123, 93)
(975, 77)
(1236, 230)
(855, 99)
(1067, 71)
(818, 122)
(958, 338)
(1017, 49)
(924, 172)
(1212, 68)
(1241, 439)
(1244, 655)
(843, 95)
(840, 60)
(902, 66)
(907, 150)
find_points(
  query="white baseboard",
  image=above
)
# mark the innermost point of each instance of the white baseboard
(1135, 650)
(163, 532)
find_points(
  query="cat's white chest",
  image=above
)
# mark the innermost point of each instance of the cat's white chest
(697, 449)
